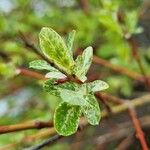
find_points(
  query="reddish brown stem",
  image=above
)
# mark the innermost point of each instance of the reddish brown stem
(137, 126)
(118, 69)
(133, 115)
(84, 4)
(135, 54)
(30, 73)
(35, 75)
(25, 126)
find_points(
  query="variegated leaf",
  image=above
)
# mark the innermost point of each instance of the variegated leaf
(66, 118)
(91, 110)
(96, 86)
(55, 49)
(41, 65)
(70, 41)
(72, 97)
(82, 64)
(55, 75)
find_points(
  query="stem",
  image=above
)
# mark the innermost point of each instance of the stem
(48, 142)
(30, 73)
(136, 56)
(25, 126)
(115, 110)
(35, 75)
(134, 119)
(119, 69)
(137, 126)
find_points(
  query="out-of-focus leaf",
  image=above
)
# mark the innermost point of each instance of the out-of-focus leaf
(66, 118)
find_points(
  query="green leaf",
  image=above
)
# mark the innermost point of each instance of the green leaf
(70, 40)
(53, 89)
(41, 65)
(96, 85)
(82, 63)
(68, 92)
(66, 118)
(55, 49)
(50, 87)
(91, 110)
(72, 97)
(55, 75)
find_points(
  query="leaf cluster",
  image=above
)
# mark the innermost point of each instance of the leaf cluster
(77, 99)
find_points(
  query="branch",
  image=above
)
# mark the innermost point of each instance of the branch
(119, 69)
(137, 126)
(25, 126)
(29, 73)
(115, 110)
(35, 75)
(48, 142)
(136, 56)
(134, 119)
(84, 4)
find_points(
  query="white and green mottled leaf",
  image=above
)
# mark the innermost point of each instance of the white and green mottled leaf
(96, 85)
(66, 118)
(55, 49)
(53, 89)
(50, 87)
(41, 65)
(82, 64)
(55, 75)
(70, 41)
(72, 97)
(91, 110)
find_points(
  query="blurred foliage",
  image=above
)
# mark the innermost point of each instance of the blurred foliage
(97, 25)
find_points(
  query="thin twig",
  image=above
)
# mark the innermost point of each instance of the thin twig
(29, 73)
(119, 69)
(47, 142)
(35, 75)
(134, 119)
(136, 56)
(137, 126)
(25, 126)
(115, 110)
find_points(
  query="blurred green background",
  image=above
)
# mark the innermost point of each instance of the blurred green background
(103, 24)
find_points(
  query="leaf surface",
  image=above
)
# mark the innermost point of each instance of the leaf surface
(66, 118)
(55, 49)
(91, 110)
(82, 63)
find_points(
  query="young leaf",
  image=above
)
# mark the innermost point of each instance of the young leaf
(96, 85)
(55, 75)
(41, 65)
(55, 49)
(72, 97)
(82, 64)
(70, 40)
(53, 89)
(66, 118)
(91, 110)
(50, 87)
